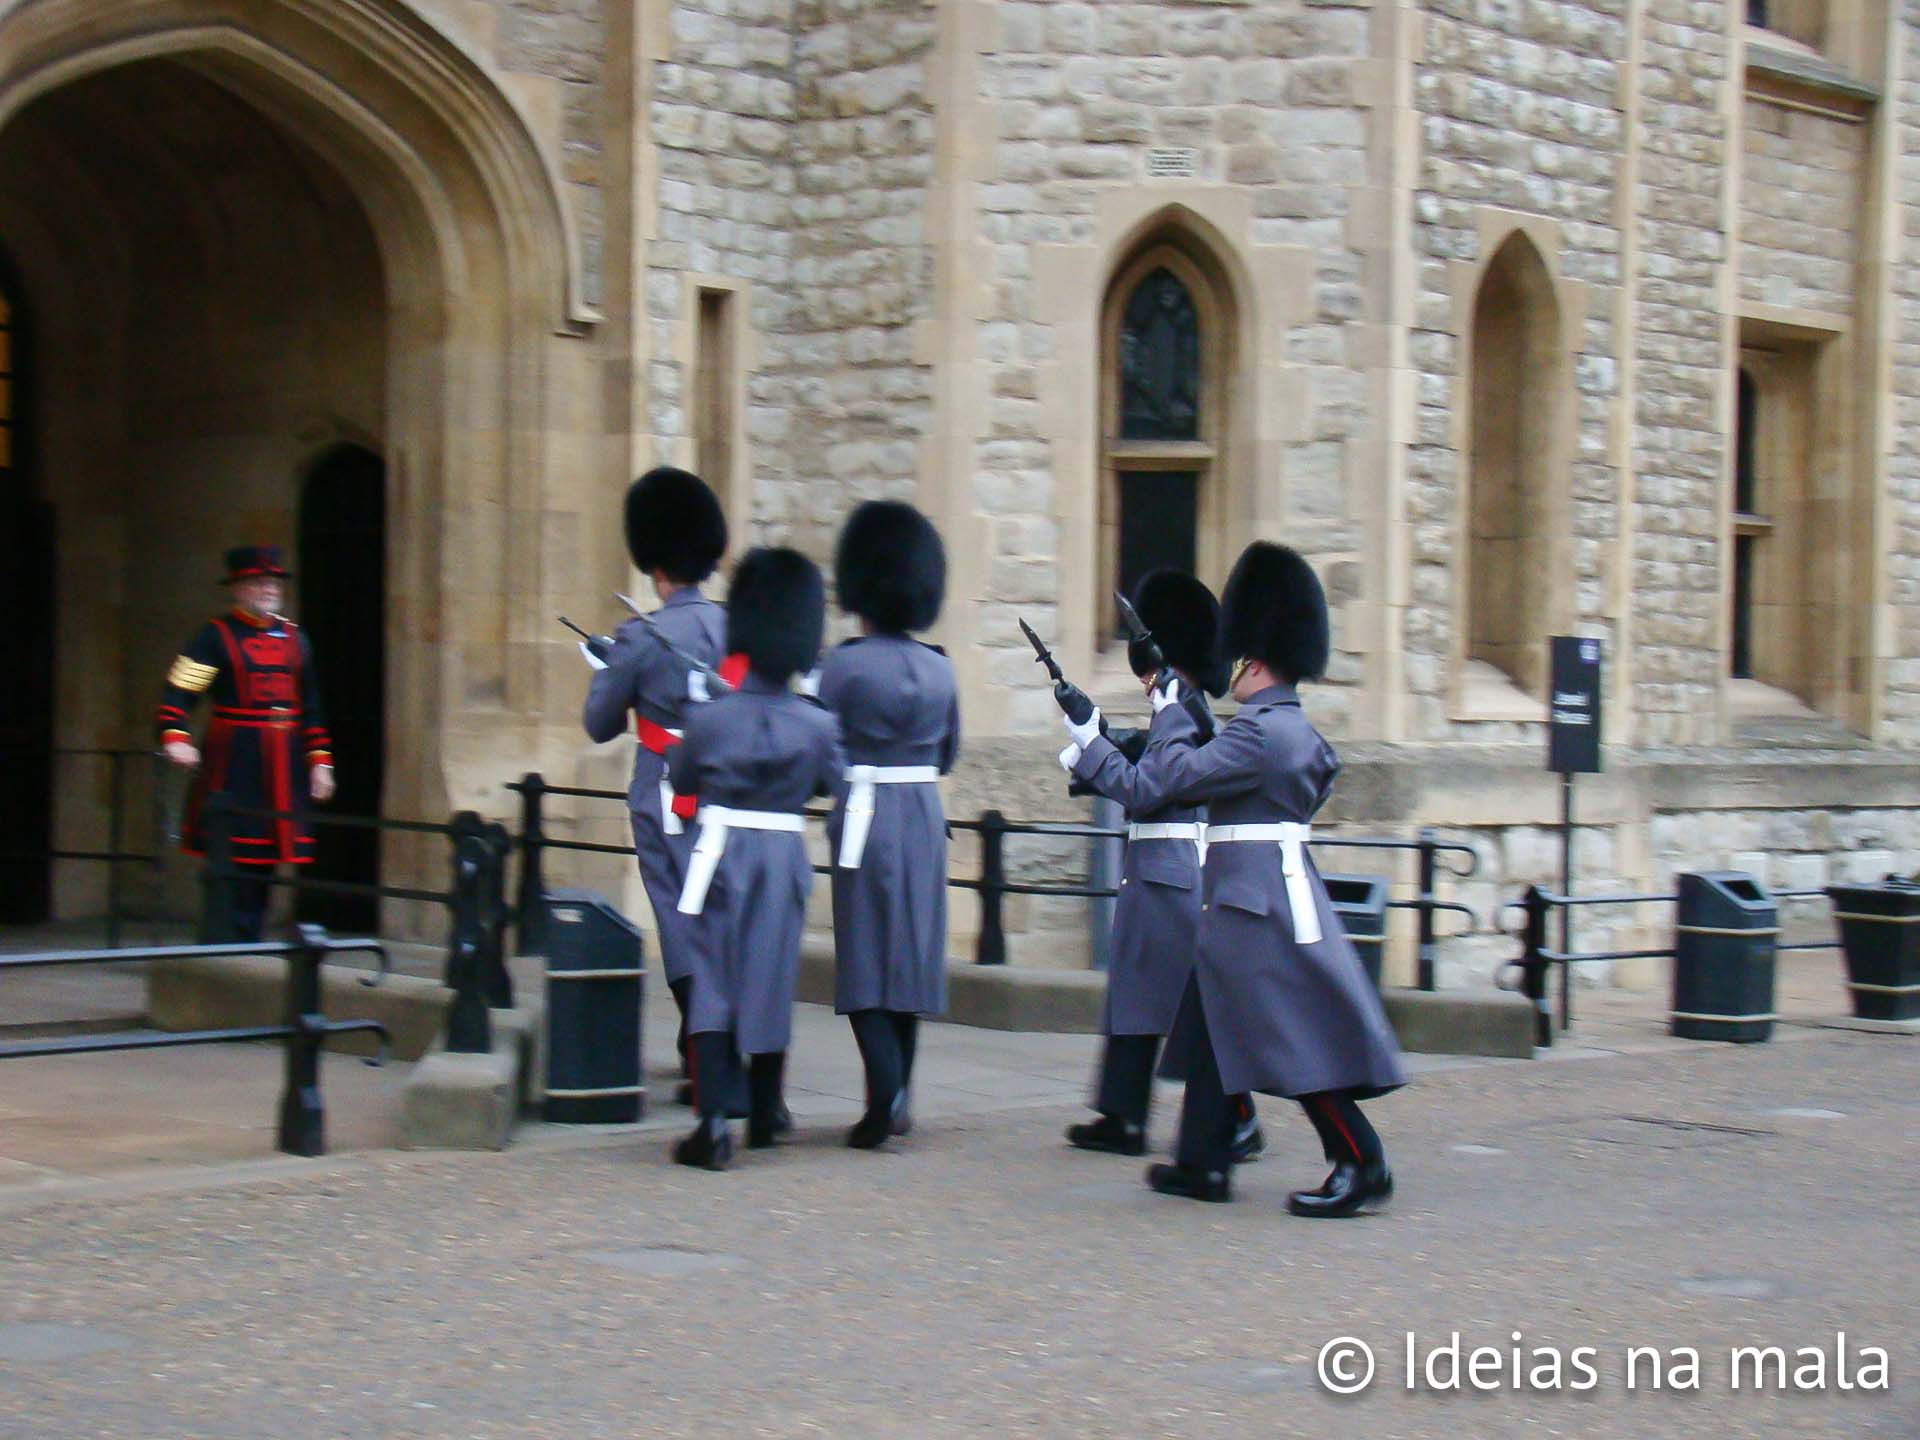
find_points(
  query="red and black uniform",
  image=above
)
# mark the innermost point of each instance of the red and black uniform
(266, 735)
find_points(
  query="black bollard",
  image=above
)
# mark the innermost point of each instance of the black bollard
(991, 948)
(469, 1027)
(303, 1119)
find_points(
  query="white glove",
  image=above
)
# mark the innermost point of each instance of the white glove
(1070, 757)
(809, 684)
(1083, 734)
(1166, 693)
(594, 662)
(697, 687)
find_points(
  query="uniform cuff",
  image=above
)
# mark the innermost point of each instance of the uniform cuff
(167, 737)
(317, 758)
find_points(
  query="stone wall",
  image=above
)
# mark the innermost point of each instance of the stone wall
(1519, 117)
(722, 121)
(1273, 100)
(1800, 206)
(1679, 444)
(565, 41)
(1903, 463)
(863, 158)
(1638, 826)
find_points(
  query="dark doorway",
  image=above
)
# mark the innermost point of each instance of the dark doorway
(26, 640)
(343, 574)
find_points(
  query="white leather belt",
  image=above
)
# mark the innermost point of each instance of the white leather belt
(858, 817)
(669, 822)
(1292, 838)
(715, 822)
(1170, 830)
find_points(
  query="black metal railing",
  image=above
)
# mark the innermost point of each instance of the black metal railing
(992, 884)
(302, 1117)
(1537, 955)
(476, 968)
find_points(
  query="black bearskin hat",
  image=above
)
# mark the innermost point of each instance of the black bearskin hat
(776, 612)
(674, 523)
(1185, 621)
(891, 568)
(1274, 611)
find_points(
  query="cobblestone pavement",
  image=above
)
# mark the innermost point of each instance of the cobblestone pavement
(982, 1278)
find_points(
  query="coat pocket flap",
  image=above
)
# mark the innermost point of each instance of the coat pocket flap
(1164, 869)
(1242, 895)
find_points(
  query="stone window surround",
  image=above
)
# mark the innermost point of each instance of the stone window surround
(736, 487)
(1271, 287)
(1494, 227)
(1827, 489)
(1210, 456)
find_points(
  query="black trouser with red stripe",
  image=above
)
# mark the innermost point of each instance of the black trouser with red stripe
(1208, 1117)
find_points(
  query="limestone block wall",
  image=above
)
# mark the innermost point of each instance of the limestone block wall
(863, 156)
(1902, 714)
(1520, 127)
(564, 41)
(1679, 434)
(1800, 208)
(721, 124)
(1274, 101)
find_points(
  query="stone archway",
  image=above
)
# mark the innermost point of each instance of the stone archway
(277, 224)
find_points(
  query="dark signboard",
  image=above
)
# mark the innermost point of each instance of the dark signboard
(1573, 706)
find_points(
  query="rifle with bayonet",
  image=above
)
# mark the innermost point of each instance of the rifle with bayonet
(716, 685)
(1144, 657)
(1075, 705)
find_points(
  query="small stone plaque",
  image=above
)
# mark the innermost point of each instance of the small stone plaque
(1170, 162)
(29, 1343)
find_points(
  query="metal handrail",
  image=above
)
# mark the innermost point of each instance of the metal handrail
(302, 1119)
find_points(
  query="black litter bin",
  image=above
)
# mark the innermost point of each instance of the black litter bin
(594, 981)
(1723, 950)
(1880, 933)
(1361, 903)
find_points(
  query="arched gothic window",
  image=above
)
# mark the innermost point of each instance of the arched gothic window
(1517, 589)
(1168, 352)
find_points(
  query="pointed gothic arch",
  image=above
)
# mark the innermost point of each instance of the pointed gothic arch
(1171, 351)
(1515, 516)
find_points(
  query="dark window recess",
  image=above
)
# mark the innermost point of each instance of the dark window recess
(1745, 433)
(1159, 520)
(1742, 668)
(343, 571)
(1745, 492)
(1160, 362)
(1757, 13)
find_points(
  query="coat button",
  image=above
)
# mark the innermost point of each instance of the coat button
(1203, 907)
(1123, 879)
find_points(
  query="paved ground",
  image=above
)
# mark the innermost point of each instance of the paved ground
(981, 1277)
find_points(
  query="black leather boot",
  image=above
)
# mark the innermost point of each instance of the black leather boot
(683, 1093)
(1110, 1134)
(1351, 1189)
(1190, 1181)
(871, 1131)
(902, 1120)
(708, 1146)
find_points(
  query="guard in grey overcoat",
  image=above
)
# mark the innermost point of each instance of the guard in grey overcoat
(899, 713)
(1278, 1001)
(676, 534)
(1157, 915)
(755, 756)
